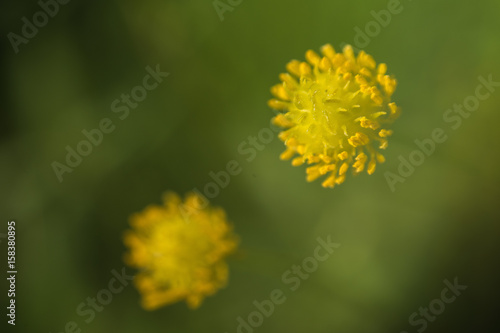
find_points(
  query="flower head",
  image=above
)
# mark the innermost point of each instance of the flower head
(336, 109)
(180, 249)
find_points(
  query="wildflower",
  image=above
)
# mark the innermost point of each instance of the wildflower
(335, 111)
(180, 256)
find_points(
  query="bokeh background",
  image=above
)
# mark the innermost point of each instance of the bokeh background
(396, 247)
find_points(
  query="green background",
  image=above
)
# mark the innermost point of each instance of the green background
(396, 247)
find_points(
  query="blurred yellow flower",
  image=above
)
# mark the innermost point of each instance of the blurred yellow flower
(336, 107)
(180, 250)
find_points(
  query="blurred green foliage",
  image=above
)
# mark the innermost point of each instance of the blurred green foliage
(396, 248)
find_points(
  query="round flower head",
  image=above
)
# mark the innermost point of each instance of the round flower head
(336, 109)
(180, 249)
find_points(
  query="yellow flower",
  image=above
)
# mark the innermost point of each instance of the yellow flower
(336, 107)
(180, 249)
